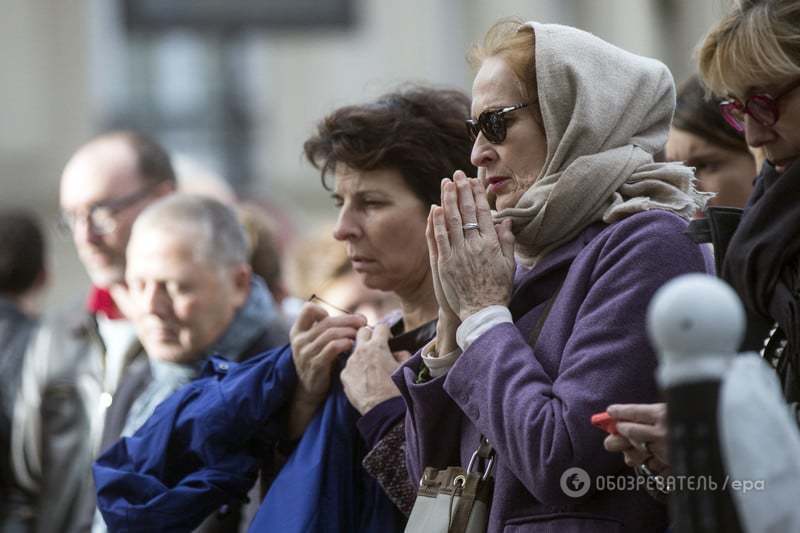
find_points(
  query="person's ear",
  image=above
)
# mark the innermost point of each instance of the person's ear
(241, 275)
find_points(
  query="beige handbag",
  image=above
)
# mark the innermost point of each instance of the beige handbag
(455, 500)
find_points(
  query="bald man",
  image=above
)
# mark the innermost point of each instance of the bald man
(75, 362)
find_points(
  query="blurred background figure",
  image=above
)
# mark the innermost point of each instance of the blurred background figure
(266, 256)
(317, 265)
(700, 138)
(22, 278)
(194, 178)
(265, 240)
(77, 359)
(194, 296)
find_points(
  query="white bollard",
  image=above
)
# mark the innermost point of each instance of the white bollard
(696, 323)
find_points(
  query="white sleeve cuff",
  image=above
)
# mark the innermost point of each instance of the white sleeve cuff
(438, 365)
(479, 323)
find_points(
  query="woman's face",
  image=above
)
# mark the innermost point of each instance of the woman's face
(507, 169)
(781, 141)
(727, 172)
(383, 225)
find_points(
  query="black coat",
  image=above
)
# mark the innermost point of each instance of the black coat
(760, 261)
(16, 330)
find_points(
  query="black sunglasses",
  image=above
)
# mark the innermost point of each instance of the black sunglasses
(492, 124)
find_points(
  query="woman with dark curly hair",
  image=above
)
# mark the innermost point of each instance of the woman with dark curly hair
(326, 413)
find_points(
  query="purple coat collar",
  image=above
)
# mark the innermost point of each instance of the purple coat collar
(534, 286)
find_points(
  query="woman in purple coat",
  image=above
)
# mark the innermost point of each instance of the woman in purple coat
(586, 228)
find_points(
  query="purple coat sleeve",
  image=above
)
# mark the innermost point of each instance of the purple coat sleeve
(534, 405)
(378, 421)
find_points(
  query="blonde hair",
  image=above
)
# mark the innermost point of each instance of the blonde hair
(757, 43)
(513, 41)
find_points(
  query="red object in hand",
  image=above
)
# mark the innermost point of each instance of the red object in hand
(605, 422)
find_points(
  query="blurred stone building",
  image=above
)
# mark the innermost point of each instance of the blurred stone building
(237, 85)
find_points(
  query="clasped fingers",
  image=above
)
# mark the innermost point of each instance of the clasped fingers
(476, 275)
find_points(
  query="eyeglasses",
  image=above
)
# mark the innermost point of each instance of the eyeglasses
(101, 216)
(492, 124)
(762, 107)
(317, 300)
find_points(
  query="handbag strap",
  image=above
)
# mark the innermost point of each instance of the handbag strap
(533, 336)
(485, 450)
(474, 488)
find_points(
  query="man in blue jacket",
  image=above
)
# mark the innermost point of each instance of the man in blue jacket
(194, 296)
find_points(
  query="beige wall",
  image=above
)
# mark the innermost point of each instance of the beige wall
(44, 112)
(48, 49)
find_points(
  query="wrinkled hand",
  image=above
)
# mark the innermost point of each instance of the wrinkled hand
(638, 424)
(475, 266)
(317, 339)
(448, 321)
(367, 375)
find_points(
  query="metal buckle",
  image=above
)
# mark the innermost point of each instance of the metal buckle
(490, 461)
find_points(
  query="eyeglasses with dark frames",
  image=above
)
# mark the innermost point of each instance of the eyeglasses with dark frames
(102, 216)
(492, 124)
(317, 300)
(763, 107)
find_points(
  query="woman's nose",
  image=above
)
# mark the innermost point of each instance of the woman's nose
(755, 133)
(483, 152)
(347, 226)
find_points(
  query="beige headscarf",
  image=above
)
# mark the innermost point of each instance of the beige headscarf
(606, 112)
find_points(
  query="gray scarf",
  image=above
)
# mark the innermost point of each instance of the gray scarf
(259, 313)
(606, 112)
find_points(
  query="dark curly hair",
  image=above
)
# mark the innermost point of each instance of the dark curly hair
(418, 131)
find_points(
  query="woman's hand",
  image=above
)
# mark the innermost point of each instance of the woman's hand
(448, 322)
(367, 376)
(475, 266)
(317, 339)
(642, 435)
